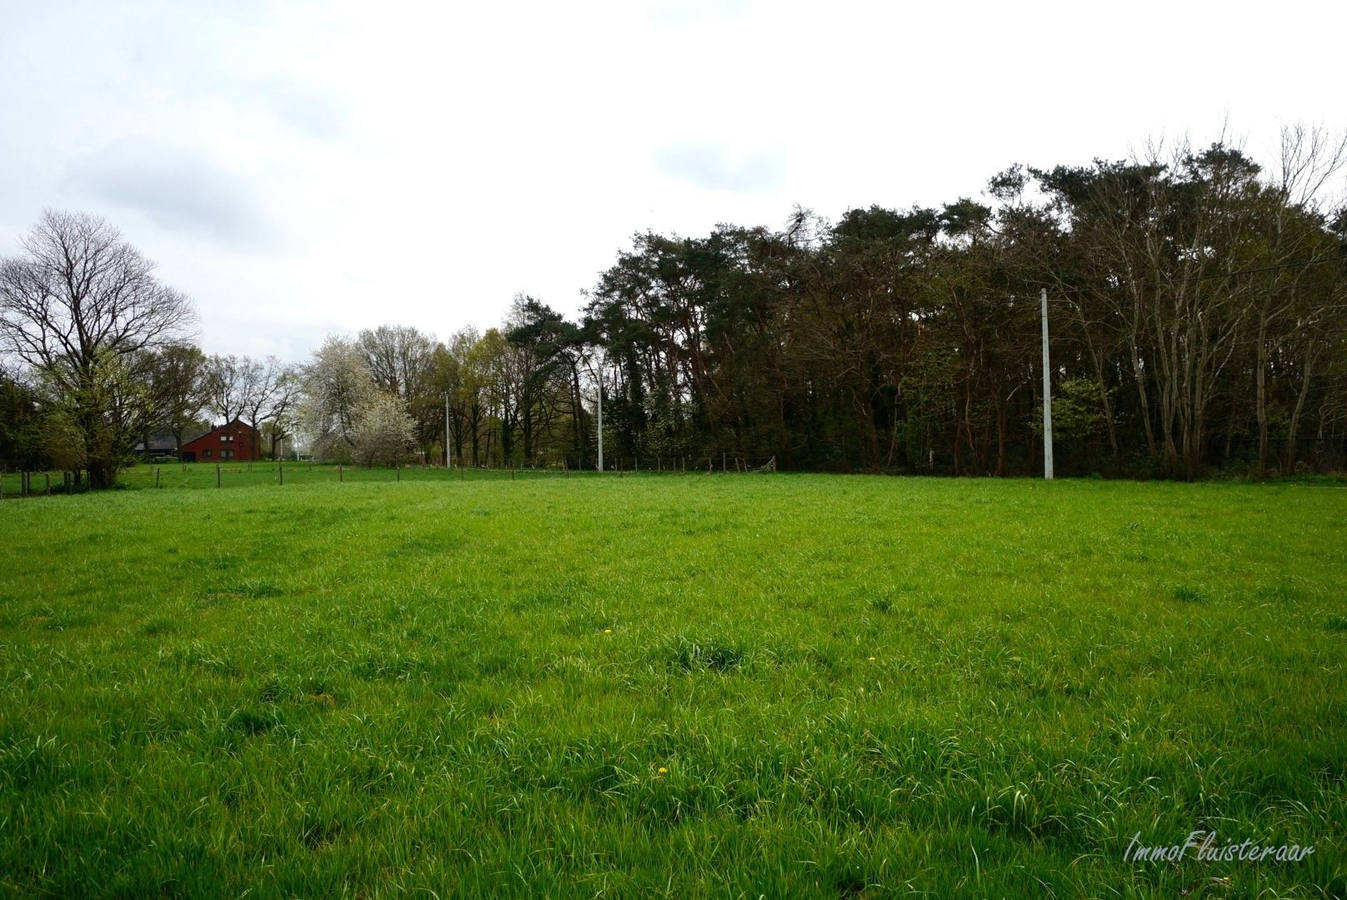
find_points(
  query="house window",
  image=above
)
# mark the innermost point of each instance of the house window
(205, 454)
(226, 454)
(227, 438)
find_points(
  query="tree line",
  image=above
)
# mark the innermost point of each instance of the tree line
(1197, 310)
(1198, 306)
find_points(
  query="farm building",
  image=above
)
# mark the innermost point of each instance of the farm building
(157, 445)
(231, 442)
(164, 444)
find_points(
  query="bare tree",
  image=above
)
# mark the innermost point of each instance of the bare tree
(281, 421)
(401, 359)
(74, 304)
(1295, 307)
(226, 386)
(262, 385)
(1170, 231)
(467, 399)
(254, 391)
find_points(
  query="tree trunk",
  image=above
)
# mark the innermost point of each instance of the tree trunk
(1260, 395)
(1139, 376)
(958, 438)
(476, 425)
(1102, 383)
(1294, 428)
(1001, 441)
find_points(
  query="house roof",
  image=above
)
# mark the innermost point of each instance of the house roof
(165, 442)
(159, 443)
(236, 426)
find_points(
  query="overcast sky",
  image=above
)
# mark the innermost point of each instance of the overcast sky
(305, 168)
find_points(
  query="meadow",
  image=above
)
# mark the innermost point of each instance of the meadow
(679, 686)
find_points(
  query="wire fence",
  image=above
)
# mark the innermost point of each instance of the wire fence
(213, 476)
(720, 461)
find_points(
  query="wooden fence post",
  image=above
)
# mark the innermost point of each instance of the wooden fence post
(156, 476)
(46, 477)
(280, 470)
(339, 474)
(218, 482)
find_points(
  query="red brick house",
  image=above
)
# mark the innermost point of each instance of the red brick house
(231, 442)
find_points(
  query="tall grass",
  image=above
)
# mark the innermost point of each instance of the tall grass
(803, 686)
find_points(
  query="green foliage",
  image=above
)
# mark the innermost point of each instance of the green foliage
(1077, 414)
(22, 426)
(97, 416)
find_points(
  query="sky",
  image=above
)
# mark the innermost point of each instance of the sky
(303, 169)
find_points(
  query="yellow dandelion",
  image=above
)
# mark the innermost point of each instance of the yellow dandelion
(663, 771)
(607, 631)
(872, 659)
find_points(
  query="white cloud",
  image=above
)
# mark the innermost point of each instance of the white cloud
(301, 167)
(180, 190)
(711, 167)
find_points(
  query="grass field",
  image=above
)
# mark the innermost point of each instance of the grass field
(724, 686)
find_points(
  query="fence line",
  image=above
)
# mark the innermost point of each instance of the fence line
(225, 475)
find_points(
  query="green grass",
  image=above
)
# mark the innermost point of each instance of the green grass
(781, 686)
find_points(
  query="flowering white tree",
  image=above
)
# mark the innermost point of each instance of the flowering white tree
(347, 417)
(384, 430)
(335, 385)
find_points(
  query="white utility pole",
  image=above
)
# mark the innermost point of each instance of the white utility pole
(1047, 396)
(448, 457)
(597, 372)
(600, 417)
